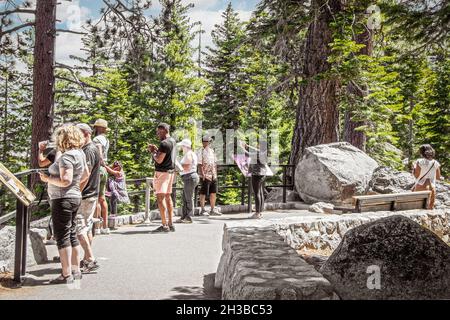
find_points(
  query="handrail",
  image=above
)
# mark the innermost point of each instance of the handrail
(28, 172)
(6, 217)
(139, 181)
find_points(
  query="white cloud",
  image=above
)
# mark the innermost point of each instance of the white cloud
(72, 14)
(202, 4)
(68, 44)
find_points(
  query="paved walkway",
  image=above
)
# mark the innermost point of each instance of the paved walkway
(136, 264)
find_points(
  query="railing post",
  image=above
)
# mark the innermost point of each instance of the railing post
(26, 224)
(243, 190)
(174, 196)
(284, 184)
(19, 246)
(148, 186)
(249, 195)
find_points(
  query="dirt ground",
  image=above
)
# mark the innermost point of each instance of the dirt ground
(319, 252)
(6, 281)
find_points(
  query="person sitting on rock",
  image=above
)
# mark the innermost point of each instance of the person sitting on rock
(426, 170)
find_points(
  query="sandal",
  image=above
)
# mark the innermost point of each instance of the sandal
(62, 279)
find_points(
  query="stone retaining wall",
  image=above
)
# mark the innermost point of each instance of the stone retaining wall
(326, 232)
(257, 264)
(259, 261)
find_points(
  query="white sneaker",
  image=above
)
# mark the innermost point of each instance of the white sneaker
(105, 231)
(256, 216)
(97, 232)
(204, 213)
(215, 212)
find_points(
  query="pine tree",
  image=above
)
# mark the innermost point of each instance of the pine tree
(174, 92)
(434, 125)
(225, 66)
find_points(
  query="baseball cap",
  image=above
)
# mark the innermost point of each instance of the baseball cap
(165, 126)
(207, 139)
(185, 143)
(84, 127)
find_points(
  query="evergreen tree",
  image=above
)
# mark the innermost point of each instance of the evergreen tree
(434, 124)
(174, 92)
(225, 64)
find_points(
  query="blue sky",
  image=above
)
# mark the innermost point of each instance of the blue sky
(74, 13)
(207, 11)
(212, 5)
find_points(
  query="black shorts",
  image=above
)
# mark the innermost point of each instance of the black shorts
(208, 186)
(64, 213)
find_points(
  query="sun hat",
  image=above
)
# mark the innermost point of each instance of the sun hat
(101, 123)
(84, 127)
(185, 143)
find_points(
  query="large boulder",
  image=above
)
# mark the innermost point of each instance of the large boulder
(7, 249)
(442, 195)
(391, 258)
(276, 195)
(38, 238)
(387, 180)
(333, 173)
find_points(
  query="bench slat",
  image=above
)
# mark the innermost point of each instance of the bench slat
(398, 206)
(391, 202)
(392, 197)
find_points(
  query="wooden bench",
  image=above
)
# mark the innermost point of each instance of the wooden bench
(392, 202)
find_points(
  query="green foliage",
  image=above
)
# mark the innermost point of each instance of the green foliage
(139, 71)
(175, 92)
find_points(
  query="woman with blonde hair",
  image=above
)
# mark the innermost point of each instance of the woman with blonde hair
(66, 174)
(427, 170)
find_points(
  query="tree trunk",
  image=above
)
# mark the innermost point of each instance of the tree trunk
(5, 120)
(43, 75)
(351, 134)
(317, 118)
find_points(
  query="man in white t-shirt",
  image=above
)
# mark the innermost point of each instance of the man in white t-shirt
(427, 170)
(102, 142)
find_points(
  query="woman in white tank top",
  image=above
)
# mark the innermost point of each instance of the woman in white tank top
(427, 170)
(188, 171)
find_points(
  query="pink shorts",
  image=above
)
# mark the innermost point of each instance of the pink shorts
(162, 182)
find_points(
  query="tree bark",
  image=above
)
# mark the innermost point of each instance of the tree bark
(5, 120)
(351, 134)
(317, 118)
(43, 75)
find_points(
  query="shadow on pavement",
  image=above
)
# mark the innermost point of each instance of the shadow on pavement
(44, 272)
(207, 292)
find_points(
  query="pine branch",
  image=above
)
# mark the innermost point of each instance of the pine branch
(70, 31)
(25, 25)
(8, 12)
(81, 84)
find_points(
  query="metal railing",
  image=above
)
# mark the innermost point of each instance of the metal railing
(23, 214)
(244, 187)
